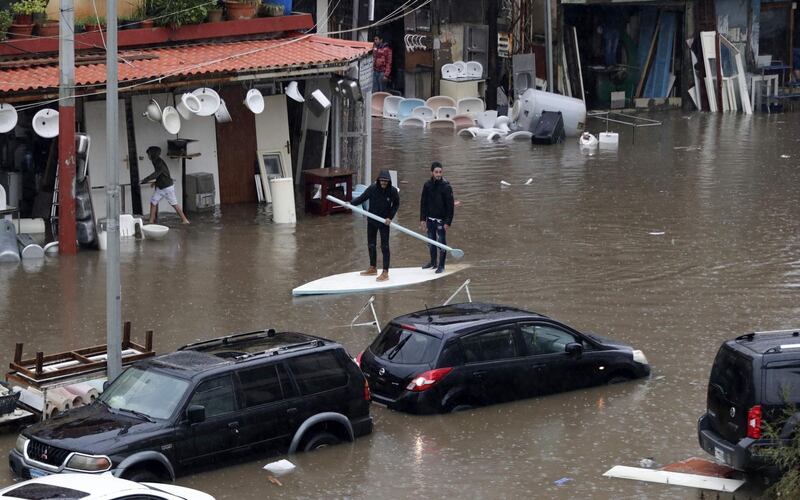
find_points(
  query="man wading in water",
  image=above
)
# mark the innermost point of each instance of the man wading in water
(384, 200)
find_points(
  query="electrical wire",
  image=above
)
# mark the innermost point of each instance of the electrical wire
(391, 17)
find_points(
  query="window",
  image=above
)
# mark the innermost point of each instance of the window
(545, 339)
(783, 382)
(260, 385)
(405, 347)
(146, 391)
(318, 372)
(215, 395)
(733, 374)
(489, 345)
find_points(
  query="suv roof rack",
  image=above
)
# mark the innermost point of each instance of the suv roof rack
(280, 350)
(751, 336)
(229, 339)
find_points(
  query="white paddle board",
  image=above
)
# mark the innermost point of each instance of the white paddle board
(354, 282)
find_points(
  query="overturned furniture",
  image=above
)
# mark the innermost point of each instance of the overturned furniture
(49, 384)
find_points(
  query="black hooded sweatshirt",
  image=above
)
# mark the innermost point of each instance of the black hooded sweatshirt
(382, 202)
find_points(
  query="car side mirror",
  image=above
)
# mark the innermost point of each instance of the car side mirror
(574, 349)
(196, 414)
(105, 385)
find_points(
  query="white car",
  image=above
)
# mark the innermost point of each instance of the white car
(97, 487)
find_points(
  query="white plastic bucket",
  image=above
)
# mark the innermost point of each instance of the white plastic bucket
(534, 102)
(282, 190)
(609, 140)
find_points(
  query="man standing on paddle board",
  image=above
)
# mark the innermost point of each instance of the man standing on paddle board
(384, 200)
(436, 213)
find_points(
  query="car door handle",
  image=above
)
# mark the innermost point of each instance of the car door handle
(291, 411)
(234, 426)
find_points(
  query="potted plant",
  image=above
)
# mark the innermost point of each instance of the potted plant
(23, 11)
(242, 9)
(271, 10)
(5, 23)
(215, 12)
(94, 23)
(49, 28)
(144, 14)
(176, 13)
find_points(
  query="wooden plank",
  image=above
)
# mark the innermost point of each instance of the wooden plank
(674, 478)
(649, 59)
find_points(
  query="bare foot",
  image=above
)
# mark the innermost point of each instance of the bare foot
(186, 222)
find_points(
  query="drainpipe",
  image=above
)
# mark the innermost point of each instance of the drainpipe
(67, 238)
(113, 287)
(548, 40)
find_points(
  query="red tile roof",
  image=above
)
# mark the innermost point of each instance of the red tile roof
(189, 60)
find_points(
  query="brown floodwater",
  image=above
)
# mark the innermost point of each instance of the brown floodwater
(676, 242)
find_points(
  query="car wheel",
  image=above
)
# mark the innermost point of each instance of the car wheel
(142, 476)
(321, 440)
(458, 408)
(618, 379)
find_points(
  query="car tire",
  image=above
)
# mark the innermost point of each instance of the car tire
(618, 379)
(321, 440)
(142, 476)
(458, 408)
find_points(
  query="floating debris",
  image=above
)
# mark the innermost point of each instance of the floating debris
(504, 183)
(656, 233)
(529, 181)
(562, 481)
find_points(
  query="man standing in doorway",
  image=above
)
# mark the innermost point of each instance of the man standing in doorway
(381, 65)
(436, 213)
(384, 200)
(164, 185)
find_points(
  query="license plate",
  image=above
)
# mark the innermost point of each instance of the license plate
(719, 455)
(37, 473)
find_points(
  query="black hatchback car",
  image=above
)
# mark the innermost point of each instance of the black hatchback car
(461, 356)
(264, 390)
(754, 380)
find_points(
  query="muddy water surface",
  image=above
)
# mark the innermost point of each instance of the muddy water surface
(686, 237)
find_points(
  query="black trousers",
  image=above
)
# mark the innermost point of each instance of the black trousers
(372, 238)
(437, 232)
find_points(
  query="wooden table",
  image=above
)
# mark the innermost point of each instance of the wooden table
(329, 180)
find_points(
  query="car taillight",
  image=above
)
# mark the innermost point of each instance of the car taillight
(367, 395)
(358, 358)
(754, 422)
(428, 379)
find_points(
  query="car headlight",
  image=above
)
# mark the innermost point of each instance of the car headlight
(89, 463)
(22, 441)
(639, 357)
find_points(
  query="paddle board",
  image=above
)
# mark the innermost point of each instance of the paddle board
(354, 282)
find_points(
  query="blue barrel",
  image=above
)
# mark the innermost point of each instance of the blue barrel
(8, 242)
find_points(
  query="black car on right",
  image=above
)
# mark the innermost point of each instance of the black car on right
(461, 356)
(755, 378)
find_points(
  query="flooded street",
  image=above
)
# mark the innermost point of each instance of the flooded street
(672, 244)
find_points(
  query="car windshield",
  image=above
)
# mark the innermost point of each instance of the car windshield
(148, 393)
(34, 491)
(405, 347)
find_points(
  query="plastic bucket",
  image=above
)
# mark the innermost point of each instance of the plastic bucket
(287, 5)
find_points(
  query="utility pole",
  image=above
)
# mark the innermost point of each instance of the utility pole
(322, 17)
(491, 57)
(548, 40)
(67, 238)
(113, 288)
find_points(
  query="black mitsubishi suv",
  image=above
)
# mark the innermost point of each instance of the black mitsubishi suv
(261, 391)
(753, 380)
(460, 356)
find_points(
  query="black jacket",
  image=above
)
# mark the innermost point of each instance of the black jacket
(161, 175)
(437, 201)
(382, 202)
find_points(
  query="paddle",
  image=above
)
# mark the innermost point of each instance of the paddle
(455, 252)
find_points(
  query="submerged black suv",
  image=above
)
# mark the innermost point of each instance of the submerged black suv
(755, 377)
(262, 390)
(459, 356)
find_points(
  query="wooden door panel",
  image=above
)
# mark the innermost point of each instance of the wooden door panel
(236, 150)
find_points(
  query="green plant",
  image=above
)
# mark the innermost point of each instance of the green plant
(175, 13)
(5, 23)
(785, 455)
(29, 7)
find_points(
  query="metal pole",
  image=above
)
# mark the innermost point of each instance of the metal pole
(367, 174)
(113, 288)
(322, 17)
(548, 40)
(67, 237)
